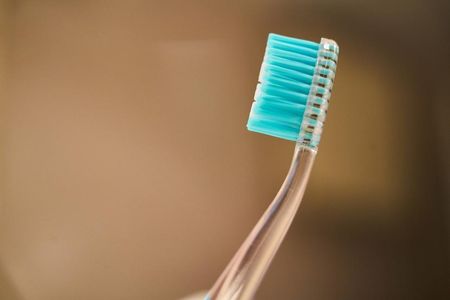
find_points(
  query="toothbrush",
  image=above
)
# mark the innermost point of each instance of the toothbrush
(291, 102)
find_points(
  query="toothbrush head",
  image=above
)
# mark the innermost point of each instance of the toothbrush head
(294, 89)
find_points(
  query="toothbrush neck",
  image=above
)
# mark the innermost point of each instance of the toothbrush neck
(245, 271)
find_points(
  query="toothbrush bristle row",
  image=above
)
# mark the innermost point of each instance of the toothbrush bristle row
(294, 88)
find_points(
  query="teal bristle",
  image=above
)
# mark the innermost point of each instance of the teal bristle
(284, 85)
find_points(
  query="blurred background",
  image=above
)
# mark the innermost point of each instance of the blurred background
(126, 171)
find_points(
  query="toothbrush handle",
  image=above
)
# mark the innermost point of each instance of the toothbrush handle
(242, 276)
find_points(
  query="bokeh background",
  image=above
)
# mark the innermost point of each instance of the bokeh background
(126, 171)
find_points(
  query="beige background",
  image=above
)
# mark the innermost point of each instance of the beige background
(127, 172)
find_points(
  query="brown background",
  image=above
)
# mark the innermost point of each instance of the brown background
(126, 171)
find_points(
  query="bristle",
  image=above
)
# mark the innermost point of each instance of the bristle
(289, 70)
(285, 81)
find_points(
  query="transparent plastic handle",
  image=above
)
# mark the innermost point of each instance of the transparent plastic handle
(243, 275)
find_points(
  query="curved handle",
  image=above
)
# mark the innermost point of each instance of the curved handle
(243, 275)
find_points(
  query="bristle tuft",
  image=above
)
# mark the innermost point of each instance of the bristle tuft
(284, 84)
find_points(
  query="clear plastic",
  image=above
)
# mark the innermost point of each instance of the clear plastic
(244, 273)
